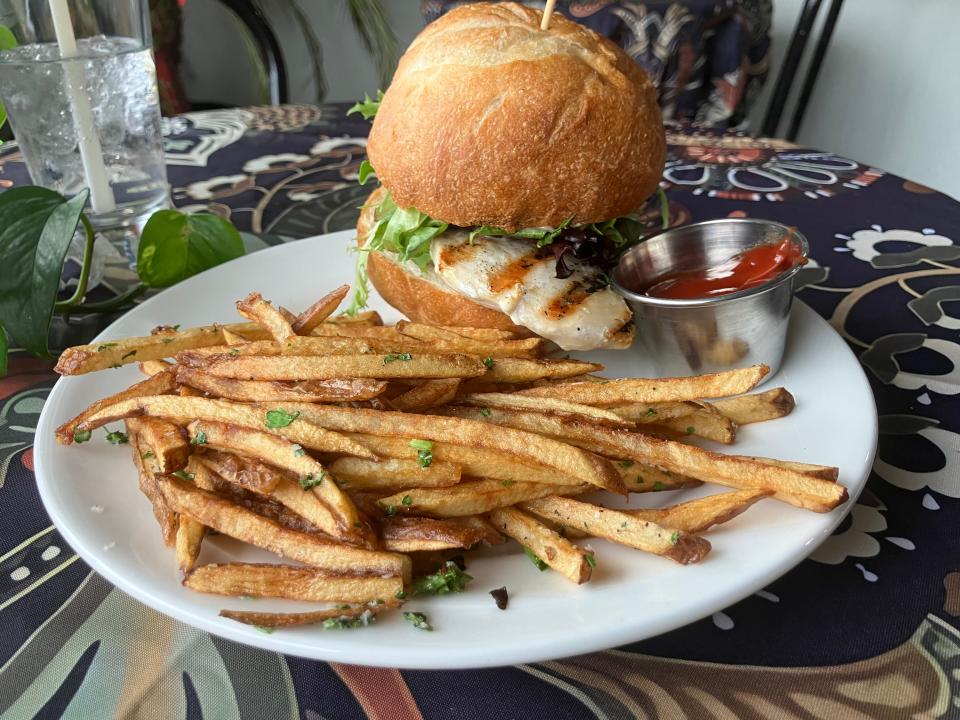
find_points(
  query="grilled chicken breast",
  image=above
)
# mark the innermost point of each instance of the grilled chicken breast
(577, 313)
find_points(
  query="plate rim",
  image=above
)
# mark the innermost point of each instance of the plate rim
(453, 658)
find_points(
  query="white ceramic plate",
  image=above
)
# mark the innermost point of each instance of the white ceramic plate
(631, 596)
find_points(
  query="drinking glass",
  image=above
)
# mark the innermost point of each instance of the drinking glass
(111, 80)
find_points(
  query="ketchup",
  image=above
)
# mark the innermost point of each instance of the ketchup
(748, 269)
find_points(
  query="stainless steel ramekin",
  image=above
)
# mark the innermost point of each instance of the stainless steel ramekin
(684, 337)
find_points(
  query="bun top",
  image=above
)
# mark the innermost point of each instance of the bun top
(491, 121)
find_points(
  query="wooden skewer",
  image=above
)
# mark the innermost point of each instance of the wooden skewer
(547, 12)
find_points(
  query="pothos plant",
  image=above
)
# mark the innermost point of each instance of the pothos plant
(36, 228)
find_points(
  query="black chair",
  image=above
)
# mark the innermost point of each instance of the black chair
(791, 63)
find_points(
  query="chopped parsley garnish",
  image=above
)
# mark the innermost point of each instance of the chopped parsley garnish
(265, 630)
(625, 463)
(280, 418)
(418, 620)
(311, 480)
(129, 354)
(485, 412)
(105, 346)
(343, 623)
(394, 357)
(167, 341)
(675, 537)
(448, 579)
(640, 480)
(541, 565)
(424, 450)
(690, 430)
(500, 597)
(200, 438)
(81, 436)
(488, 361)
(234, 351)
(407, 501)
(658, 485)
(400, 595)
(147, 455)
(299, 451)
(591, 560)
(508, 483)
(183, 475)
(390, 509)
(115, 437)
(651, 412)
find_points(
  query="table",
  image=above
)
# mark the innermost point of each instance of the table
(868, 627)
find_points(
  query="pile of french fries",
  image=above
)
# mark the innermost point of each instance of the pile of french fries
(367, 455)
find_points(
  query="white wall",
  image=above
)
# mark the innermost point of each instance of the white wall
(888, 92)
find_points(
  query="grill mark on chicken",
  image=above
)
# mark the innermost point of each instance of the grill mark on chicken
(453, 254)
(567, 302)
(512, 274)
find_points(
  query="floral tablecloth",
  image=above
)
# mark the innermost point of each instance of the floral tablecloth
(868, 627)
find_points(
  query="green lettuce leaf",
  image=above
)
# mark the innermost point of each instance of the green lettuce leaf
(367, 107)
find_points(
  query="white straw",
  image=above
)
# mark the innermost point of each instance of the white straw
(91, 154)
(547, 12)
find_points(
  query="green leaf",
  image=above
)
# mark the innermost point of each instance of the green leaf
(365, 171)
(367, 107)
(117, 437)
(3, 351)
(175, 246)
(418, 620)
(36, 227)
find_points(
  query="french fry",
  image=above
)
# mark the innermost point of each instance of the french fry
(232, 339)
(391, 365)
(254, 308)
(559, 553)
(163, 382)
(295, 346)
(524, 446)
(364, 331)
(440, 332)
(419, 534)
(653, 412)
(393, 473)
(622, 528)
(340, 390)
(640, 390)
(470, 498)
(153, 367)
(789, 485)
(546, 405)
(248, 473)
(705, 422)
(317, 497)
(319, 311)
(185, 409)
(82, 359)
(759, 407)
(280, 620)
(824, 472)
(164, 443)
(445, 341)
(187, 543)
(366, 317)
(640, 478)
(293, 583)
(224, 516)
(522, 370)
(426, 395)
(697, 516)
(149, 485)
(473, 461)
